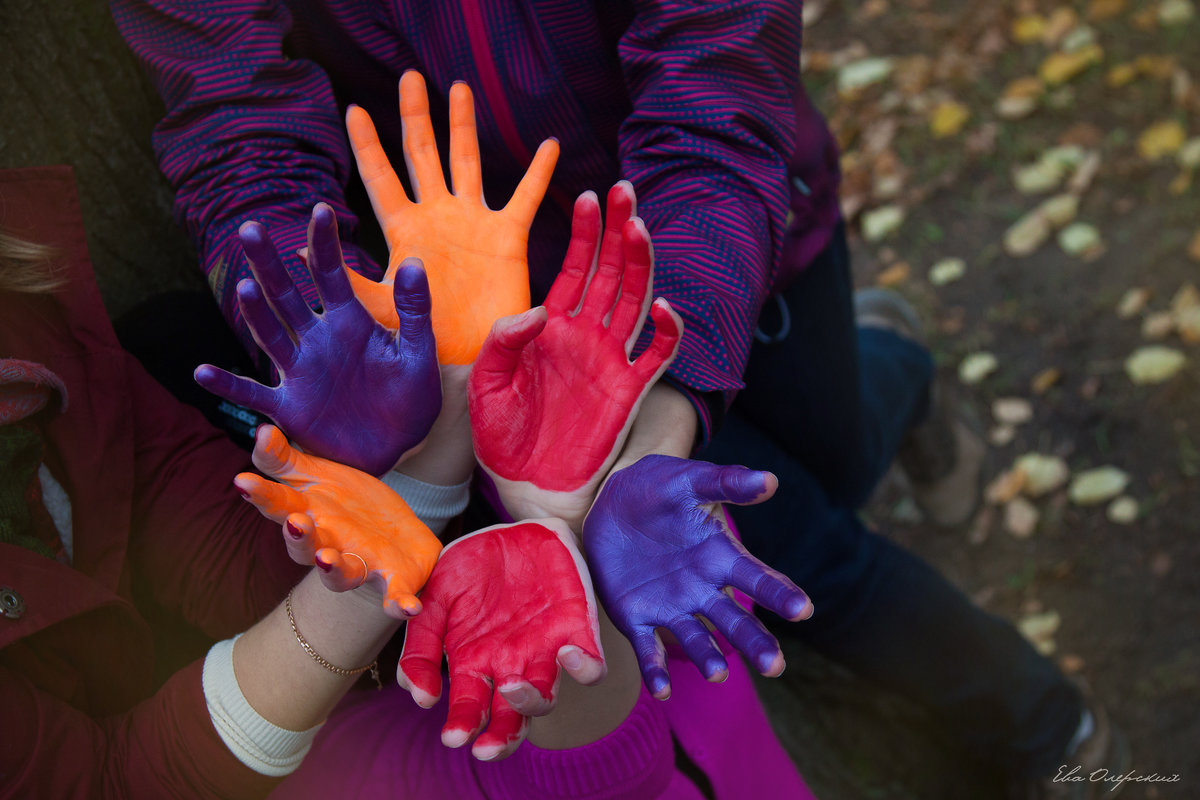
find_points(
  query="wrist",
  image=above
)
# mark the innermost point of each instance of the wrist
(666, 424)
(446, 457)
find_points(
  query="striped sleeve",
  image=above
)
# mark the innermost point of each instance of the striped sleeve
(248, 133)
(707, 146)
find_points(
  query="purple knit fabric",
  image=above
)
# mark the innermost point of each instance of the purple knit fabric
(697, 104)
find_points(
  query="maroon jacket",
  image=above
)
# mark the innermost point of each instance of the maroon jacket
(153, 507)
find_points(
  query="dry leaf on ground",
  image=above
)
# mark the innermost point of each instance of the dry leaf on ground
(1154, 364)
(1097, 485)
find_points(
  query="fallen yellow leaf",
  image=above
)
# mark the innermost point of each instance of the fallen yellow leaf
(1186, 297)
(1012, 410)
(1097, 485)
(1121, 75)
(1043, 474)
(1020, 517)
(1100, 10)
(1028, 28)
(1158, 325)
(1176, 12)
(1015, 107)
(946, 271)
(1160, 67)
(1039, 629)
(1027, 234)
(1045, 379)
(1161, 139)
(894, 275)
(1062, 67)
(1133, 302)
(1180, 183)
(1004, 487)
(1060, 22)
(879, 222)
(1154, 364)
(1193, 249)
(977, 366)
(1123, 510)
(1028, 86)
(1060, 209)
(1081, 240)
(948, 119)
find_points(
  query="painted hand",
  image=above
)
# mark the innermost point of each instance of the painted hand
(348, 523)
(509, 605)
(553, 392)
(350, 390)
(475, 257)
(662, 555)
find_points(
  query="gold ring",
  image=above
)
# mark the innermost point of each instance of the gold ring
(364, 563)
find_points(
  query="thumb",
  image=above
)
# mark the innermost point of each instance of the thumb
(410, 293)
(501, 352)
(712, 483)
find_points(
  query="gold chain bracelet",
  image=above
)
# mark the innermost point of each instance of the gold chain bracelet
(320, 659)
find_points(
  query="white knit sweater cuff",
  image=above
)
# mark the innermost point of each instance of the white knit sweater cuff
(434, 505)
(262, 746)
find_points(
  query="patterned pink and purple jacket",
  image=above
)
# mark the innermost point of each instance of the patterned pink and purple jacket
(698, 104)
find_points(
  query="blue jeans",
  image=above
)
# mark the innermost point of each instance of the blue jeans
(825, 409)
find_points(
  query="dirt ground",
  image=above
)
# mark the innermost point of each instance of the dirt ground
(922, 97)
(1124, 595)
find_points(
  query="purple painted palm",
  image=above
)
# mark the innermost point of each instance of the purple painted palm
(350, 390)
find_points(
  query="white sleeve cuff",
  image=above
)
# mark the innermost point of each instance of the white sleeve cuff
(434, 505)
(261, 745)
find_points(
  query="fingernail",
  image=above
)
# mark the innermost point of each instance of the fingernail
(571, 660)
(321, 565)
(293, 531)
(245, 495)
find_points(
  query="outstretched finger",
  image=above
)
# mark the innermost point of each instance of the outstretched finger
(501, 352)
(504, 733)
(629, 314)
(529, 193)
(326, 264)
(410, 293)
(470, 703)
(383, 187)
(713, 483)
(768, 587)
(236, 389)
(275, 457)
(300, 538)
(399, 602)
(532, 691)
(668, 331)
(584, 667)
(265, 327)
(701, 648)
(652, 661)
(420, 667)
(277, 284)
(420, 146)
(747, 634)
(465, 171)
(610, 264)
(567, 290)
(340, 572)
(273, 500)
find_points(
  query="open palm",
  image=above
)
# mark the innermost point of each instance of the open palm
(554, 392)
(475, 257)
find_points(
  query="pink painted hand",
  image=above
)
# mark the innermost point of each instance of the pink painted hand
(475, 257)
(348, 523)
(508, 605)
(553, 393)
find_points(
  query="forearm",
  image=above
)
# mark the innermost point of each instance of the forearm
(584, 714)
(446, 458)
(666, 424)
(281, 681)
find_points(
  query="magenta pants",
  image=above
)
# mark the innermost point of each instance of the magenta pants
(381, 744)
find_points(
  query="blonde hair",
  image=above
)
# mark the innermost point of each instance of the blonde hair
(28, 267)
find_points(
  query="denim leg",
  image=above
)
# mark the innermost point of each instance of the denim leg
(892, 619)
(837, 398)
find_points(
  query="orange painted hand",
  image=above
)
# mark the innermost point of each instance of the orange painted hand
(348, 523)
(475, 257)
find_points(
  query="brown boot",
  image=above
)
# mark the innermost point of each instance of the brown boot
(941, 457)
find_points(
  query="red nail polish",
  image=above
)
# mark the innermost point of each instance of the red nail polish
(293, 531)
(321, 565)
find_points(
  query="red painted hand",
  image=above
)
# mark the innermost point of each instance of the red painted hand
(509, 605)
(348, 523)
(553, 392)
